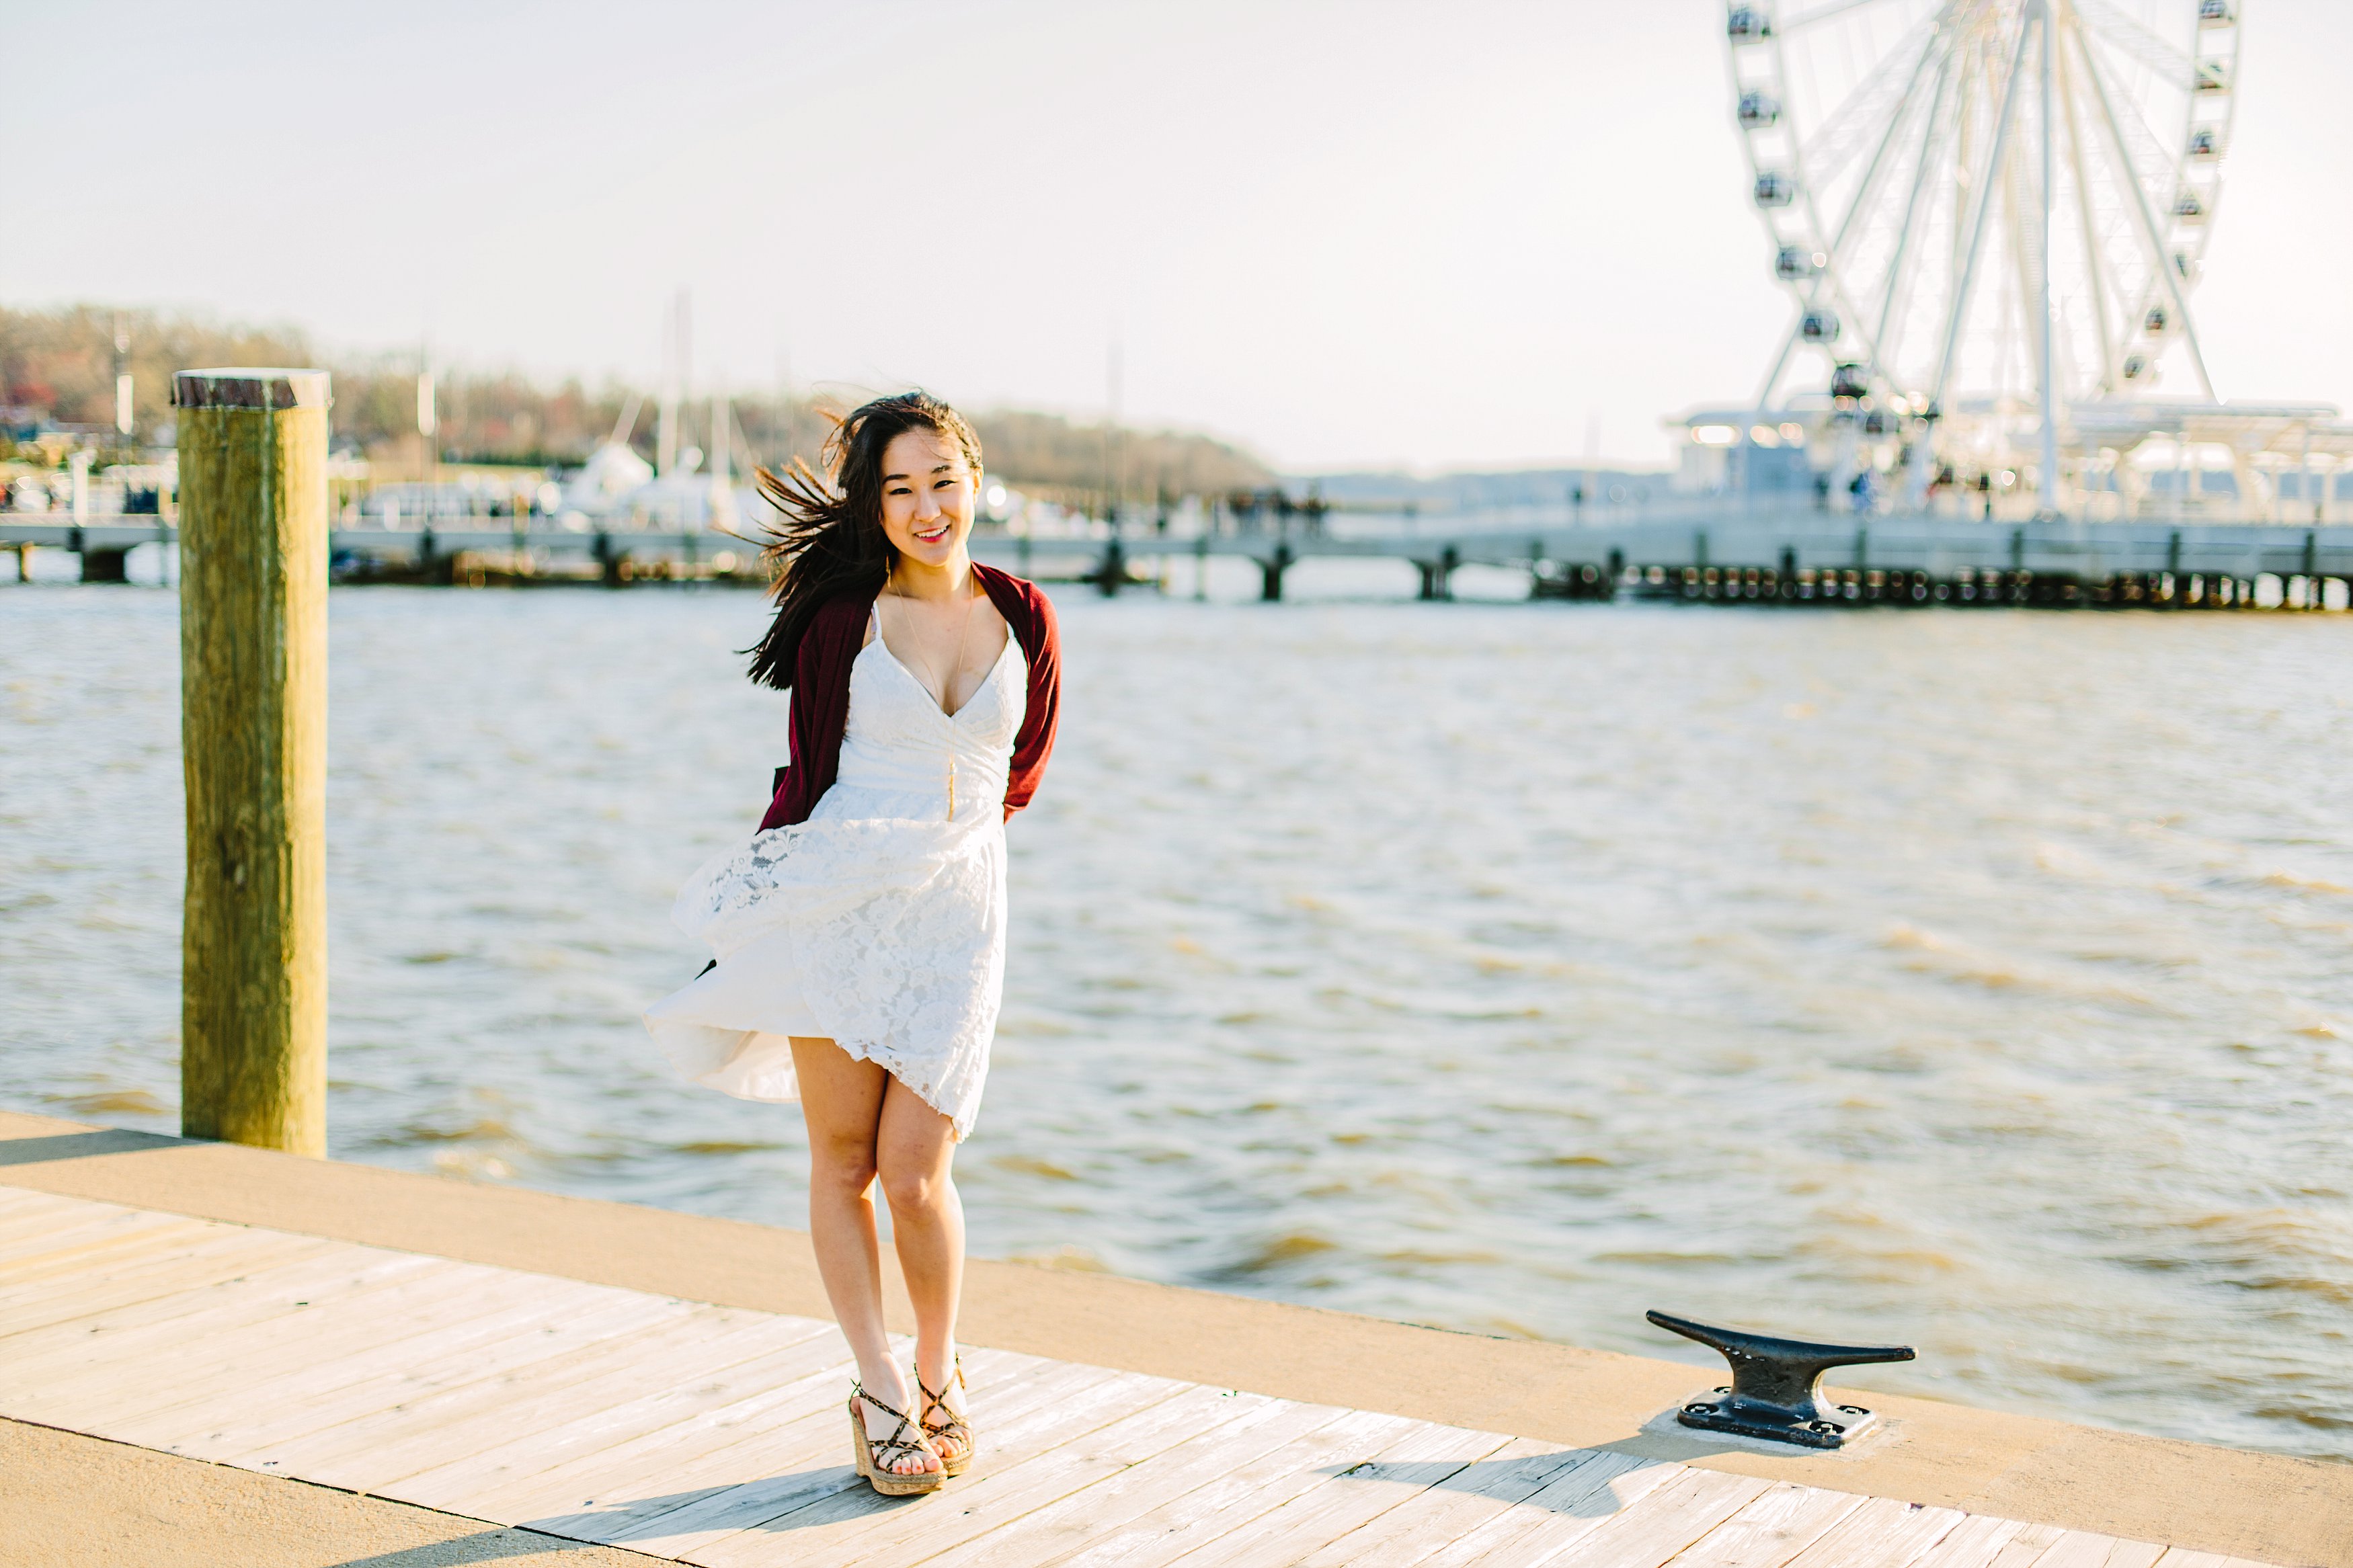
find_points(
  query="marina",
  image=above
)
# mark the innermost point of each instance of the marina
(1496, 1065)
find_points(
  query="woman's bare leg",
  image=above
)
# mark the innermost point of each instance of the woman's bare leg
(844, 1099)
(914, 1154)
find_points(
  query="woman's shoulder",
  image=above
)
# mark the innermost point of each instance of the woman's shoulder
(837, 627)
(1017, 597)
(843, 610)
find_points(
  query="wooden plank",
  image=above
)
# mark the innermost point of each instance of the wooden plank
(1578, 1500)
(1249, 1426)
(793, 1450)
(813, 1462)
(264, 1440)
(15, 1202)
(2085, 1548)
(326, 1269)
(1213, 1511)
(347, 1364)
(137, 1391)
(761, 1442)
(476, 1404)
(801, 1349)
(1421, 1524)
(1882, 1533)
(283, 1369)
(713, 1445)
(26, 1207)
(1979, 1541)
(999, 1493)
(1355, 1494)
(766, 1436)
(108, 1245)
(853, 1519)
(211, 1315)
(26, 1232)
(1646, 1533)
(1781, 1522)
(101, 1289)
(16, 1233)
(2029, 1542)
(701, 1350)
(60, 1255)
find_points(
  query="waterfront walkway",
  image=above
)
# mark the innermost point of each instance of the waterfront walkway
(715, 1435)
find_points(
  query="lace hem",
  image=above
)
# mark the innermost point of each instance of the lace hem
(897, 928)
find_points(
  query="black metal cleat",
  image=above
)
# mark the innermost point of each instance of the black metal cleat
(1776, 1386)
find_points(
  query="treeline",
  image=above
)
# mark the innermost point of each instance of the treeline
(57, 367)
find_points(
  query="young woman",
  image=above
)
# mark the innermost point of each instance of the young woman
(859, 936)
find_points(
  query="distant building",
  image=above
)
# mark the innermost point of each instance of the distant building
(1738, 451)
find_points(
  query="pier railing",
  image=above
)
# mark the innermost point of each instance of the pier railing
(1690, 554)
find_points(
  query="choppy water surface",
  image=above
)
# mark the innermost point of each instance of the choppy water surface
(1979, 979)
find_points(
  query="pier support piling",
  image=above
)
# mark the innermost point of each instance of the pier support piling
(98, 563)
(1272, 569)
(1438, 576)
(1111, 572)
(253, 726)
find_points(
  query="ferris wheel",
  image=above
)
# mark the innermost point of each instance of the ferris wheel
(1988, 212)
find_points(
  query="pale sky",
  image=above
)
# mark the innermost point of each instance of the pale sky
(1446, 234)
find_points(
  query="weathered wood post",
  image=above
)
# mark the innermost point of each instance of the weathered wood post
(253, 734)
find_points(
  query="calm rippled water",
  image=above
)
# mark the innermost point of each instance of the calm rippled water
(1976, 979)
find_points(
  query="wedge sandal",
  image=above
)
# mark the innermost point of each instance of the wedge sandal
(875, 1454)
(955, 1429)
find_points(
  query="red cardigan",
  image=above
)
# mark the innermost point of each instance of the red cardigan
(821, 694)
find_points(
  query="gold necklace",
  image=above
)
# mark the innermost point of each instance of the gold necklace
(947, 689)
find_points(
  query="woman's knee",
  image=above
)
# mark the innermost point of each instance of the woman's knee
(914, 1186)
(842, 1165)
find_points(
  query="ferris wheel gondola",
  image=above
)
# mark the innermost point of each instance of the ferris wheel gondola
(1988, 212)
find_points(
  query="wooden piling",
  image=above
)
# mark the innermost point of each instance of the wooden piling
(253, 727)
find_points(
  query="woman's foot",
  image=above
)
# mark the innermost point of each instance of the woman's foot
(894, 1456)
(941, 1411)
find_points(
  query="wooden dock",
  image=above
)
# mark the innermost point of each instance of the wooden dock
(716, 1435)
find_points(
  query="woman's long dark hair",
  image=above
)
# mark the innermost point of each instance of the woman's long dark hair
(830, 543)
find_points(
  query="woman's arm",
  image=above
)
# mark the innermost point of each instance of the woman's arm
(820, 712)
(1034, 742)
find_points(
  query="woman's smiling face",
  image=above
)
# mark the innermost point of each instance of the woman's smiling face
(928, 493)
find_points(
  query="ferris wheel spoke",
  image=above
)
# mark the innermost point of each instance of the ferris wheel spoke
(1983, 197)
(2024, 260)
(1823, 13)
(2095, 263)
(1833, 279)
(1867, 186)
(1826, 152)
(2152, 238)
(2149, 148)
(1898, 274)
(2123, 32)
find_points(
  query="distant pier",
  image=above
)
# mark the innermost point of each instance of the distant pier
(1722, 555)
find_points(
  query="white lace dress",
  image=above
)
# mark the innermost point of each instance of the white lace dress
(878, 923)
